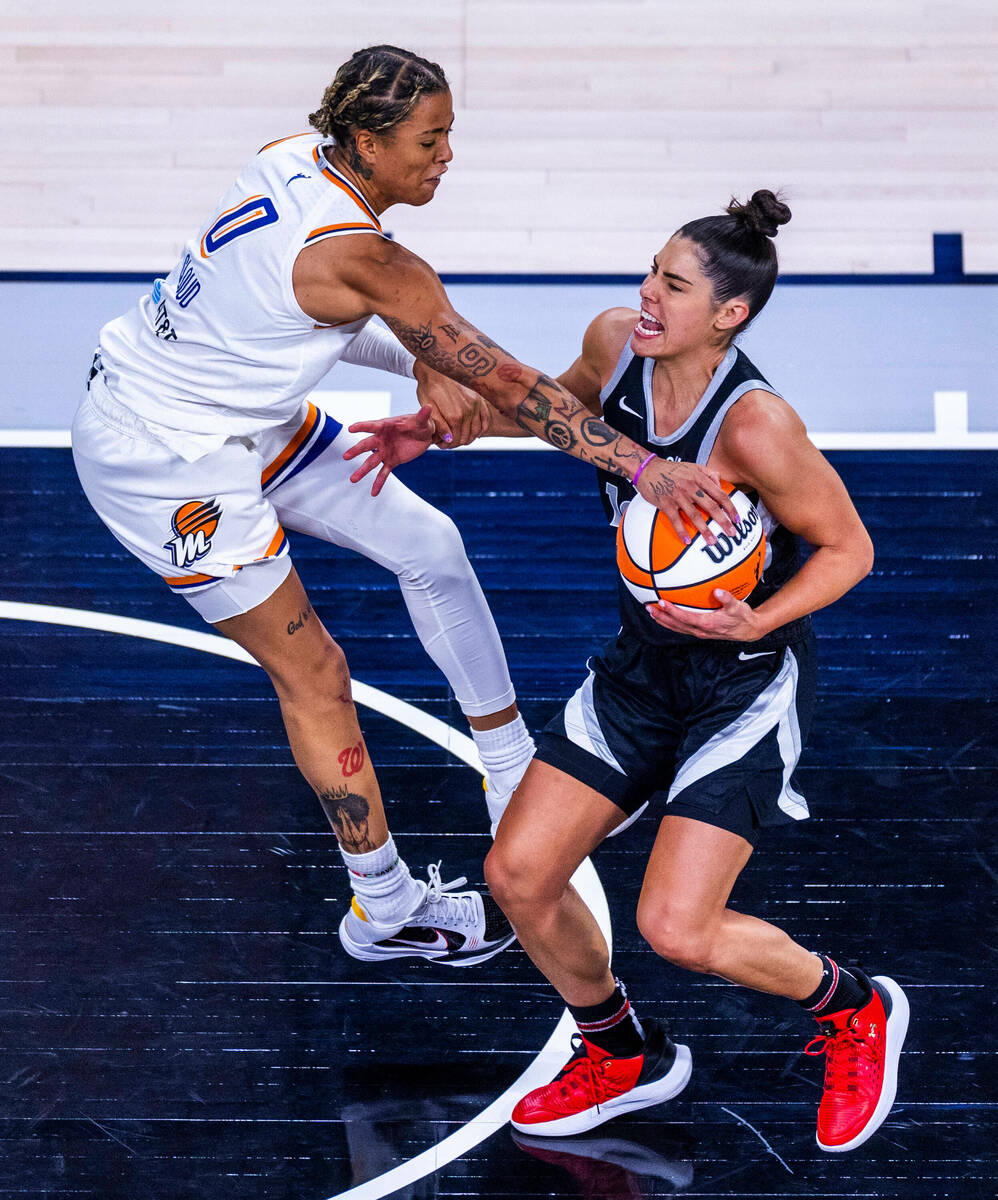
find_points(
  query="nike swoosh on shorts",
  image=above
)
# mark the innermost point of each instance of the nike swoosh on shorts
(761, 654)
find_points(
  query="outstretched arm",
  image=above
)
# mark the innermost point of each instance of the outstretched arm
(383, 277)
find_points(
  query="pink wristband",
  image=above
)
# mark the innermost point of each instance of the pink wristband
(642, 467)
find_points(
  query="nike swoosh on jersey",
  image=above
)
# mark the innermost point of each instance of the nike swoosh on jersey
(761, 654)
(630, 410)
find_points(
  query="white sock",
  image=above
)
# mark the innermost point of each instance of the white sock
(386, 891)
(505, 753)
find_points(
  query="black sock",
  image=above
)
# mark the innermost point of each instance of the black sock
(611, 1025)
(839, 989)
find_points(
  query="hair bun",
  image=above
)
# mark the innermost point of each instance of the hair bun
(763, 214)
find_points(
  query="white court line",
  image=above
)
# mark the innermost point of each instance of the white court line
(555, 1051)
(459, 744)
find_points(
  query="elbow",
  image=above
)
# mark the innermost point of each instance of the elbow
(864, 558)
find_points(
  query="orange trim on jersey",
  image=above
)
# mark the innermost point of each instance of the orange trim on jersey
(306, 429)
(277, 141)
(342, 184)
(357, 227)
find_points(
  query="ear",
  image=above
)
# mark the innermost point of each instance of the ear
(366, 143)
(732, 313)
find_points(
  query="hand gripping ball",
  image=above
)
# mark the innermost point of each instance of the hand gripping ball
(656, 564)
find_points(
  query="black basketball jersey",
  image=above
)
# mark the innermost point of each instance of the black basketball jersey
(627, 407)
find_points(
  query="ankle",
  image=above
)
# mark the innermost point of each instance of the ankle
(611, 1025)
(842, 989)
(384, 888)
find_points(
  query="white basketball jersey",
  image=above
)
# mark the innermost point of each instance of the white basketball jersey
(221, 348)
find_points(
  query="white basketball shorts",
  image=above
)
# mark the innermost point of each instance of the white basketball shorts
(207, 527)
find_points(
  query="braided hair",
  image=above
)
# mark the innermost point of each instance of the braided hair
(736, 251)
(375, 89)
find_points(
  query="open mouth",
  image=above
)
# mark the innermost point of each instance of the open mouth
(647, 326)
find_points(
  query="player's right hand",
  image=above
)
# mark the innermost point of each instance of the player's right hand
(392, 441)
(687, 488)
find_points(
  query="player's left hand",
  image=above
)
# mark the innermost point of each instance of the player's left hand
(734, 621)
(393, 441)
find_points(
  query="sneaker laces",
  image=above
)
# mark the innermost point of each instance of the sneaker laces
(582, 1073)
(460, 906)
(849, 1056)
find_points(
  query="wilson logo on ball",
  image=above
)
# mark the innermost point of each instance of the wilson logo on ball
(656, 564)
(727, 544)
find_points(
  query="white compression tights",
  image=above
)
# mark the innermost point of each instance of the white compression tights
(423, 547)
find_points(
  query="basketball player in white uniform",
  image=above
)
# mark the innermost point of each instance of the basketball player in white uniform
(197, 445)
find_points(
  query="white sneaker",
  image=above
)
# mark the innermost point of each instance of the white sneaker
(456, 928)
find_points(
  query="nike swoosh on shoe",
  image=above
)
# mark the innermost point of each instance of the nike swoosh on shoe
(415, 938)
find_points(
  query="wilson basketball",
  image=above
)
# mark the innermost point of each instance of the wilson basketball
(656, 564)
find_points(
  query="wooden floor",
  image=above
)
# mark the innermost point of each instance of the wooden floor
(176, 1016)
(586, 131)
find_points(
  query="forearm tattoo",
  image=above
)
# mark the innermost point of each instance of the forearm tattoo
(461, 351)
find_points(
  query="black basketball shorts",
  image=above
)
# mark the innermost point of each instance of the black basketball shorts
(714, 733)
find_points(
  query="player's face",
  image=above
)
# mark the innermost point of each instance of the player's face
(677, 305)
(411, 160)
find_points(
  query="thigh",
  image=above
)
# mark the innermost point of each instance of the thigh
(552, 823)
(192, 523)
(691, 870)
(282, 633)
(618, 733)
(312, 493)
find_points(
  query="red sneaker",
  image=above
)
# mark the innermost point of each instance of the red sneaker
(593, 1086)
(862, 1046)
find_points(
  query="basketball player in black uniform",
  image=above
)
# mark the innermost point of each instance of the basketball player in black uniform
(702, 715)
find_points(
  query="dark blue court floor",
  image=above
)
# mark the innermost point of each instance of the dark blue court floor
(177, 1019)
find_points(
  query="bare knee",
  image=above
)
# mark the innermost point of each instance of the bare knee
(515, 884)
(504, 881)
(322, 676)
(677, 937)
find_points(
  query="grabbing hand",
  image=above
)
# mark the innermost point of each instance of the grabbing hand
(393, 441)
(460, 415)
(734, 621)
(684, 487)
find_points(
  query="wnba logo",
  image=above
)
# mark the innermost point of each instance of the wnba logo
(193, 526)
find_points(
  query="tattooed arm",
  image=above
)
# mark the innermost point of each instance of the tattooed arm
(346, 278)
(601, 348)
